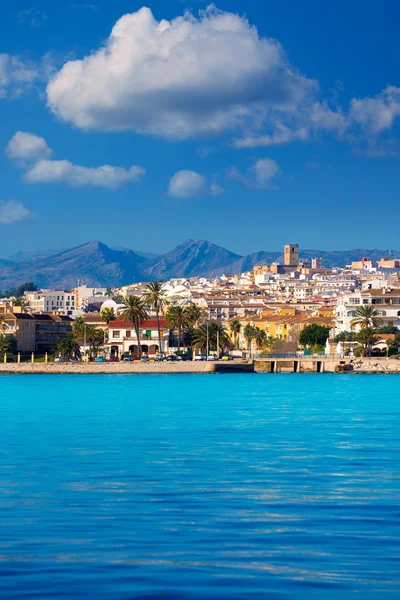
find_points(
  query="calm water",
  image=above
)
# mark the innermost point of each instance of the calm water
(196, 486)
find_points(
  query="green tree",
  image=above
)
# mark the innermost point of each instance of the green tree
(28, 286)
(215, 333)
(134, 311)
(345, 336)
(249, 334)
(108, 315)
(366, 317)
(154, 296)
(367, 337)
(194, 314)
(235, 327)
(178, 319)
(69, 347)
(387, 329)
(94, 339)
(314, 335)
(8, 345)
(109, 292)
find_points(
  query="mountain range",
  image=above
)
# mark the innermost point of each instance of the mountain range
(96, 264)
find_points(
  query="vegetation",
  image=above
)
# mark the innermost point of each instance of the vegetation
(179, 319)
(314, 335)
(69, 347)
(235, 327)
(345, 336)
(8, 345)
(19, 291)
(366, 317)
(216, 335)
(134, 311)
(88, 335)
(108, 315)
(367, 338)
(154, 297)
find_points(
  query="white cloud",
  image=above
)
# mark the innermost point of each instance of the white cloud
(258, 176)
(27, 146)
(16, 75)
(376, 115)
(63, 171)
(11, 212)
(189, 184)
(179, 78)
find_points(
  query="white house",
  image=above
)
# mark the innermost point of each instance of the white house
(385, 301)
(122, 337)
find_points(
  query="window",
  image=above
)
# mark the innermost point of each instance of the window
(129, 334)
(116, 334)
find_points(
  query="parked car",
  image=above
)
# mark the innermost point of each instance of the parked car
(172, 358)
(159, 357)
(113, 359)
(145, 358)
(200, 357)
(59, 359)
(184, 356)
(100, 359)
(212, 357)
(74, 359)
(128, 358)
(227, 357)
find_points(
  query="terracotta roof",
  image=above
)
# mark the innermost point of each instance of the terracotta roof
(149, 323)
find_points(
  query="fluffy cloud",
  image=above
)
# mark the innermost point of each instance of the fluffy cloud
(259, 175)
(63, 171)
(27, 146)
(179, 78)
(189, 184)
(376, 115)
(11, 212)
(16, 75)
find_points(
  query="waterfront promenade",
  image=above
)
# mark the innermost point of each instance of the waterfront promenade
(267, 366)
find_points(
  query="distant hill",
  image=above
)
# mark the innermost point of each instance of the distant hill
(96, 264)
(193, 258)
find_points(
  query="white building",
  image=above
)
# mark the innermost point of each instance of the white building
(386, 302)
(51, 301)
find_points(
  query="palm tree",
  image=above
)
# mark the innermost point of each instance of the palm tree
(134, 311)
(108, 315)
(215, 333)
(368, 339)
(260, 336)
(69, 347)
(194, 314)
(366, 316)
(178, 318)
(235, 327)
(154, 296)
(109, 292)
(249, 334)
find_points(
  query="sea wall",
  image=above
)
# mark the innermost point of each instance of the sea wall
(127, 367)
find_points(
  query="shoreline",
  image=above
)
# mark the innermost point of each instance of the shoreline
(277, 366)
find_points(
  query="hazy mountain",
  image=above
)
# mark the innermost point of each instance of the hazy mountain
(25, 256)
(93, 263)
(99, 265)
(192, 258)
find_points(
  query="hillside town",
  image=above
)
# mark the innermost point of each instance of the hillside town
(298, 306)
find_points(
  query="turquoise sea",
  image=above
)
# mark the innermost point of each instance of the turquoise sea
(200, 486)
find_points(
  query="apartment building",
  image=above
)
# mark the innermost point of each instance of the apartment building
(385, 301)
(50, 301)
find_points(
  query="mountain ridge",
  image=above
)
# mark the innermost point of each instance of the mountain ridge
(96, 264)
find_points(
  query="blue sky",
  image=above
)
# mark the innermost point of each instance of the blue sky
(249, 124)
